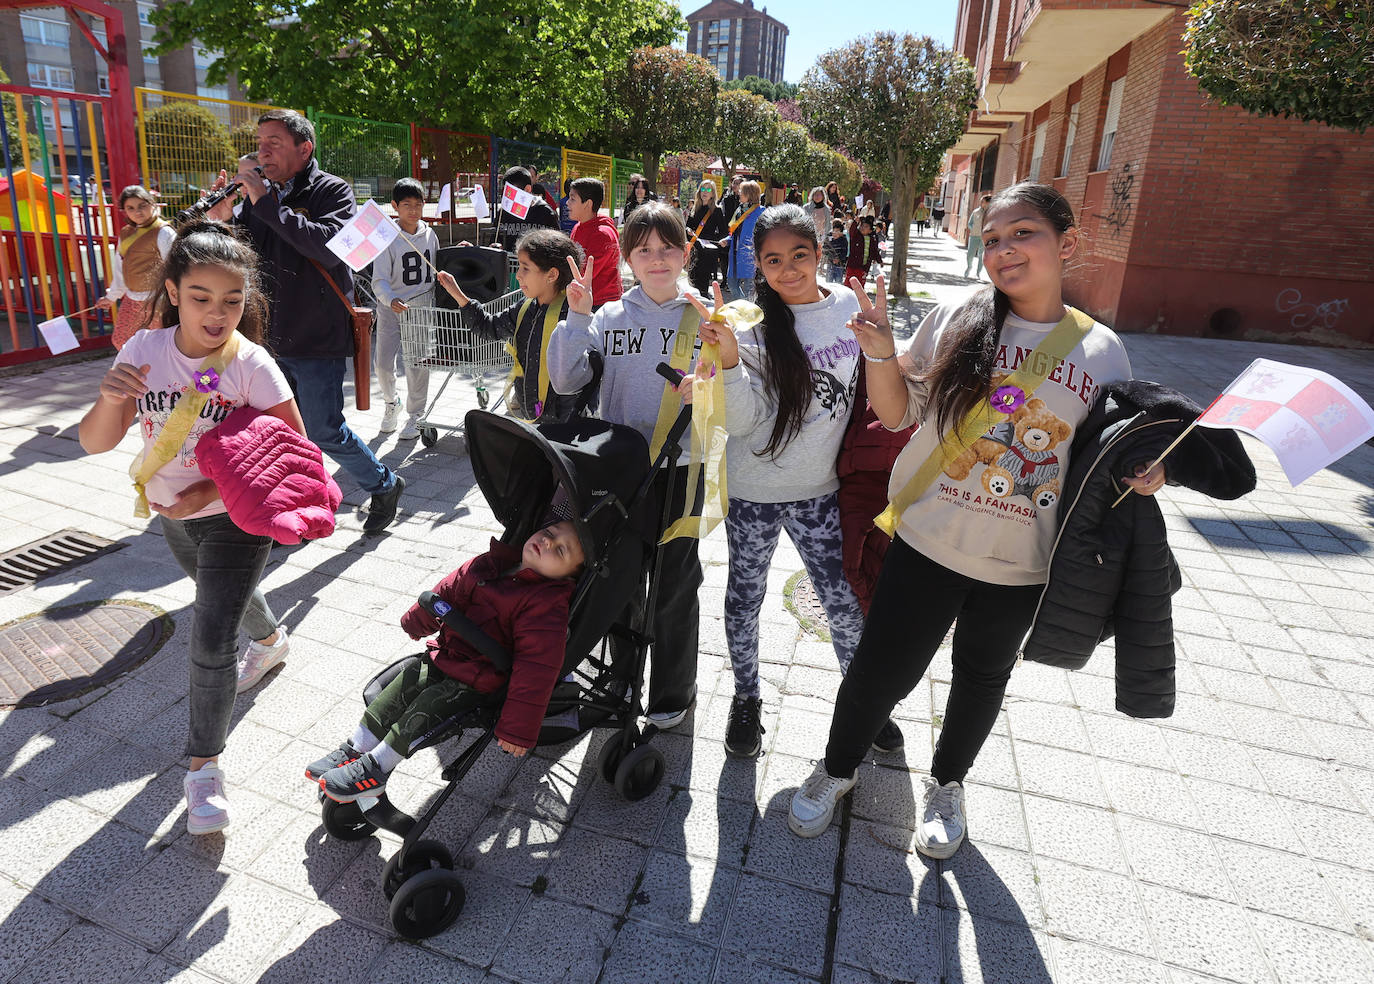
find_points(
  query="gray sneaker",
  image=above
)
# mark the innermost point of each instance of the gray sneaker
(814, 804)
(944, 826)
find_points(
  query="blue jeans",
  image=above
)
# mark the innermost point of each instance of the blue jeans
(737, 288)
(834, 273)
(226, 564)
(318, 385)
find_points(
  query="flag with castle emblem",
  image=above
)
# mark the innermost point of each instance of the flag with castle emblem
(515, 201)
(363, 237)
(1308, 418)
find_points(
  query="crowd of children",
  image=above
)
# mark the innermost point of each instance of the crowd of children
(791, 354)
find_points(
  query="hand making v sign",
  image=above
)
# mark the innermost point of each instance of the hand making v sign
(580, 289)
(870, 326)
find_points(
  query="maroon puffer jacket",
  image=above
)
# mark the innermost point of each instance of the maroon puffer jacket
(272, 479)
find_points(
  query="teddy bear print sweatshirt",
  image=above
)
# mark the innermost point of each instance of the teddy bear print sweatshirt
(990, 513)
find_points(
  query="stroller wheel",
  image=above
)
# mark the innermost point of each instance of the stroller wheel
(639, 773)
(344, 821)
(424, 855)
(427, 904)
(609, 760)
(429, 436)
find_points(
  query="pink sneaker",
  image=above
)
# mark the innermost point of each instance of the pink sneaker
(257, 659)
(207, 809)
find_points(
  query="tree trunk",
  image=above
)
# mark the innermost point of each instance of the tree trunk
(903, 193)
(651, 159)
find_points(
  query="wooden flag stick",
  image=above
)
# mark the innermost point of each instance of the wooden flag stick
(417, 248)
(1174, 444)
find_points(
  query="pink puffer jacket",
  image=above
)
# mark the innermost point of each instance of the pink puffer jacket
(272, 480)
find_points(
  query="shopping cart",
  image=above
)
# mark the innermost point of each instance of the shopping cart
(438, 339)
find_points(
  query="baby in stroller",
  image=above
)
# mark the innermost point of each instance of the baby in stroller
(518, 598)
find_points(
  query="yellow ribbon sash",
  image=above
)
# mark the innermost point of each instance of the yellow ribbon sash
(1033, 371)
(555, 308)
(736, 223)
(179, 423)
(706, 465)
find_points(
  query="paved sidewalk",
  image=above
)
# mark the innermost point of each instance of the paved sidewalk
(1232, 842)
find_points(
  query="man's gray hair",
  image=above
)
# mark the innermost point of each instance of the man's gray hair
(300, 128)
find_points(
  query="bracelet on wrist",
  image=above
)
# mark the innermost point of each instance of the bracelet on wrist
(886, 358)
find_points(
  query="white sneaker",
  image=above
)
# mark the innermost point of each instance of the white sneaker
(207, 808)
(814, 804)
(667, 720)
(944, 826)
(257, 659)
(389, 416)
(412, 428)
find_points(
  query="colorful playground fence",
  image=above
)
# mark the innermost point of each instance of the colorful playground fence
(621, 169)
(544, 162)
(370, 156)
(185, 140)
(577, 164)
(57, 229)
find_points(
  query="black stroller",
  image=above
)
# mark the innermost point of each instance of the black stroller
(600, 469)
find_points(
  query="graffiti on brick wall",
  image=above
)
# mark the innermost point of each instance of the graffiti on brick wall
(1307, 314)
(1119, 216)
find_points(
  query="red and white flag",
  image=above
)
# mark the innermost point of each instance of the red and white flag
(515, 201)
(1308, 418)
(364, 236)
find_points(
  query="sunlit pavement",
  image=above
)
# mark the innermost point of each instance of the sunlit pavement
(1231, 842)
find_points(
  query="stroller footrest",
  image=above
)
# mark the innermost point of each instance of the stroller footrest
(386, 816)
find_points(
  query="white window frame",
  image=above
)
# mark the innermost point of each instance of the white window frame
(1070, 132)
(45, 76)
(1037, 152)
(45, 31)
(145, 11)
(147, 58)
(102, 84)
(1111, 123)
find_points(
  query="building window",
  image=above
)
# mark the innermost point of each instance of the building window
(213, 91)
(148, 57)
(39, 30)
(204, 58)
(1110, 124)
(43, 76)
(102, 84)
(1070, 131)
(1037, 153)
(145, 11)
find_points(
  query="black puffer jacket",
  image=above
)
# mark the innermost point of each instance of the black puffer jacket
(1111, 572)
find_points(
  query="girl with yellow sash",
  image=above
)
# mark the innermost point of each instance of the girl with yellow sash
(543, 276)
(999, 385)
(180, 383)
(143, 246)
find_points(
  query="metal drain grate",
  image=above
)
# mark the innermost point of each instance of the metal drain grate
(23, 566)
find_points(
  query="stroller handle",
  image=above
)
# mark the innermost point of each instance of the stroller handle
(466, 628)
(684, 418)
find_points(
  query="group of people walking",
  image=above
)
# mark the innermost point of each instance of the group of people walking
(972, 494)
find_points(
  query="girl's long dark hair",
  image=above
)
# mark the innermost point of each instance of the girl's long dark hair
(786, 370)
(207, 243)
(961, 371)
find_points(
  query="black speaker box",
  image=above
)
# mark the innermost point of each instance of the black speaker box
(480, 270)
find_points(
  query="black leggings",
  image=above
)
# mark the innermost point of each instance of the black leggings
(914, 603)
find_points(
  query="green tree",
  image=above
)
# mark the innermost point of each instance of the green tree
(12, 130)
(662, 98)
(532, 70)
(186, 146)
(1312, 59)
(772, 91)
(896, 103)
(745, 127)
(788, 156)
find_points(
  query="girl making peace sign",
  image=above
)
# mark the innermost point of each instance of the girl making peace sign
(974, 517)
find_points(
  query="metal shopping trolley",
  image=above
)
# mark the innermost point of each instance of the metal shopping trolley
(438, 339)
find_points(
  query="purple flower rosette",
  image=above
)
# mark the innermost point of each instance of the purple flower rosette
(1008, 399)
(207, 381)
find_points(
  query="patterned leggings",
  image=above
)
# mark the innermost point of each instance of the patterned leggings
(751, 529)
(414, 703)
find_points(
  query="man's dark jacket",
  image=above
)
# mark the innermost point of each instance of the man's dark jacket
(308, 320)
(1111, 572)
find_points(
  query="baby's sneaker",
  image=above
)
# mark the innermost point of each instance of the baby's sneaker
(207, 808)
(359, 778)
(341, 756)
(257, 659)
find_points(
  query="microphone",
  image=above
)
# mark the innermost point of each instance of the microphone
(214, 198)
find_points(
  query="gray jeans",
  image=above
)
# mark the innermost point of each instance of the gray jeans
(226, 564)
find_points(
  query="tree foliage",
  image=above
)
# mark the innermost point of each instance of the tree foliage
(531, 70)
(896, 103)
(186, 145)
(745, 127)
(772, 91)
(1311, 59)
(662, 98)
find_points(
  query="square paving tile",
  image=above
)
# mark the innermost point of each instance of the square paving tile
(573, 941)
(781, 923)
(890, 937)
